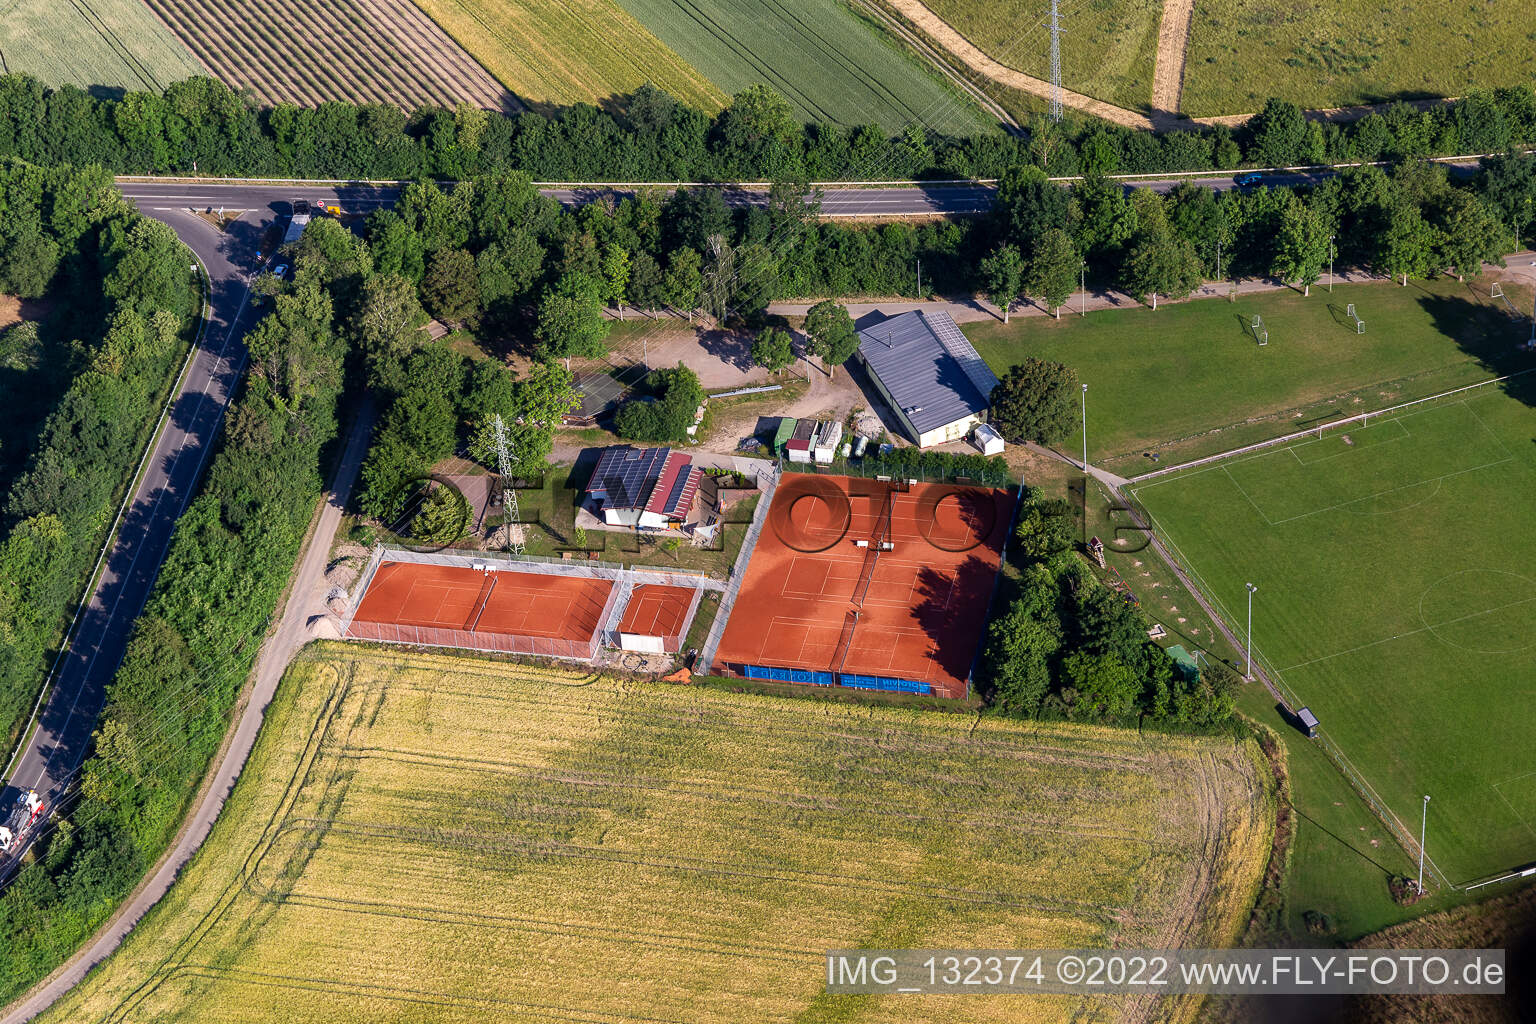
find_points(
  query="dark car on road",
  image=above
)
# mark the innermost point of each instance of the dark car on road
(1248, 179)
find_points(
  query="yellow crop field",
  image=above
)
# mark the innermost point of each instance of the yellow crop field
(434, 838)
(576, 51)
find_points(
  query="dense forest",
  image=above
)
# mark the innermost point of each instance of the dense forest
(81, 388)
(201, 126)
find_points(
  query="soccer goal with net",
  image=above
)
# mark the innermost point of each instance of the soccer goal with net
(1359, 324)
(1260, 332)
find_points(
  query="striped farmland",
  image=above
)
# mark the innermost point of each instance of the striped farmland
(309, 51)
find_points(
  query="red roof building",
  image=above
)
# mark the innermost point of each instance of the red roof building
(652, 488)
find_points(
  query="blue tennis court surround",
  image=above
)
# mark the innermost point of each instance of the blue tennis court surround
(788, 675)
(889, 683)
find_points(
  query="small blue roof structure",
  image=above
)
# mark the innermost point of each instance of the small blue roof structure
(929, 369)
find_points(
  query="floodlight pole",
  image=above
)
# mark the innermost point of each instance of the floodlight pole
(1083, 269)
(1218, 261)
(1330, 264)
(1249, 672)
(919, 280)
(1085, 428)
(1423, 825)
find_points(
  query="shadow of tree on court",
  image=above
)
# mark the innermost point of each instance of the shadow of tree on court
(950, 607)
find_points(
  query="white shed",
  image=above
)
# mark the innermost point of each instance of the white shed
(828, 437)
(987, 439)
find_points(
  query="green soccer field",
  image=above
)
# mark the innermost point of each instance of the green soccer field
(1396, 567)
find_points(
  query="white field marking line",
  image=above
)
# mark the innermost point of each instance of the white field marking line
(1518, 816)
(1365, 783)
(1392, 490)
(1262, 515)
(1513, 778)
(1488, 430)
(1287, 690)
(1428, 627)
(197, 472)
(1404, 432)
(1439, 486)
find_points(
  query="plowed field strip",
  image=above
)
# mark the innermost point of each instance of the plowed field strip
(309, 51)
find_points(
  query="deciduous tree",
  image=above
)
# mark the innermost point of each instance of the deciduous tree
(1035, 401)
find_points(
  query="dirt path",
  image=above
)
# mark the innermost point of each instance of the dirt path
(941, 32)
(302, 612)
(1167, 76)
(1172, 50)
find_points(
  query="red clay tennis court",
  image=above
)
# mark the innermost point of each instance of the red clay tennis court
(869, 583)
(657, 610)
(459, 606)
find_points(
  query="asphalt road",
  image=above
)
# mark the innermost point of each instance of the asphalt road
(54, 752)
(306, 602)
(842, 202)
(879, 201)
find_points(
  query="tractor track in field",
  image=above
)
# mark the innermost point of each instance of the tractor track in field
(1172, 53)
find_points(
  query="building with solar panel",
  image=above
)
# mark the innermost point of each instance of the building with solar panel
(928, 374)
(649, 488)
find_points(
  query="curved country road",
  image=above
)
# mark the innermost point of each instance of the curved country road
(53, 754)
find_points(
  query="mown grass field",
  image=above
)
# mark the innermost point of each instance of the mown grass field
(830, 64)
(574, 51)
(437, 838)
(1396, 598)
(309, 51)
(1189, 380)
(1109, 47)
(114, 43)
(1241, 52)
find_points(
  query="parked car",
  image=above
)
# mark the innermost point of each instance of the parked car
(280, 271)
(1248, 179)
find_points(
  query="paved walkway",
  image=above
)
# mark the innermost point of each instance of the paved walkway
(768, 480)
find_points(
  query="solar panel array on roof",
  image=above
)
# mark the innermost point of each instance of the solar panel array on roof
(929, 368)
(625, 475)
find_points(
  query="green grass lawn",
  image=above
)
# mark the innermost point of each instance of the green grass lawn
(1108, 48)
(117, 43)
(1241, 52)
(1188, 380)
(1397, 575)
(825, 60)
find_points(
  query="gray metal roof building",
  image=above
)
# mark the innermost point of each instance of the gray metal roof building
(928, 373)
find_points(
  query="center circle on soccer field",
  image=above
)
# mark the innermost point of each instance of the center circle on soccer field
(1485, 611)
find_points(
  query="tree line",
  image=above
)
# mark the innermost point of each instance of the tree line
(1413, 219)
(200, 126)
(493, 255)
(82, 390)
(1066, 646)
(191, 650)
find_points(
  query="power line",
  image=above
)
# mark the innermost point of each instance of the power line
(1055, 60)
